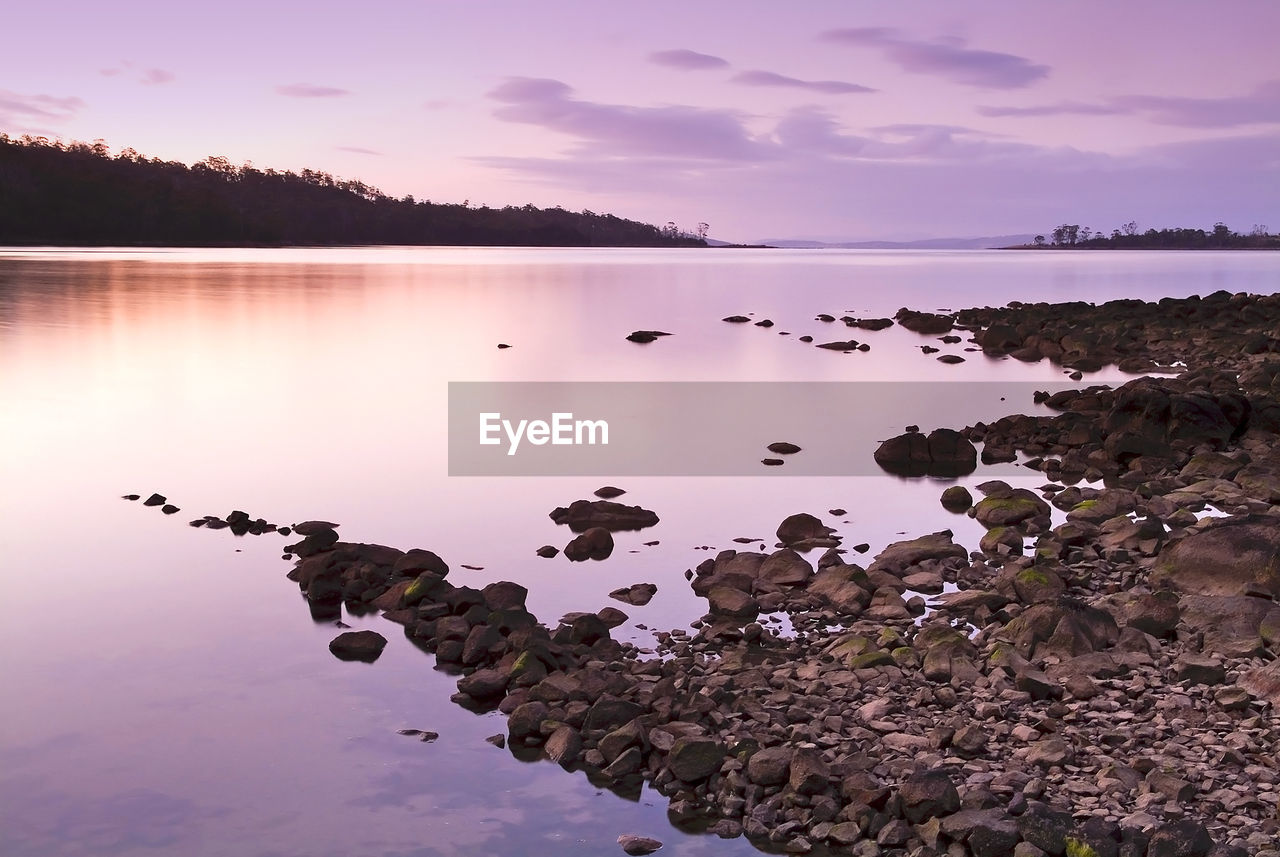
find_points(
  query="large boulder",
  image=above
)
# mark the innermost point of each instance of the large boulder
(595, 543)
(802, 527)
(1228, 556)
(944, 453)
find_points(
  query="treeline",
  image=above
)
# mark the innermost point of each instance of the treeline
(1127, 237)
(79, 194)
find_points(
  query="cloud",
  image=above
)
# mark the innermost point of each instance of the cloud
(153, 76)
(616, 130)
(1262, 106)
(359, 150)
(947, 58)
(25, 113)
(150, 76)
(1061, 108)
(688, 60)
(1259, 107)
(310, 90)
(826, 87)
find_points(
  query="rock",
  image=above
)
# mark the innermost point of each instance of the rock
(504, 595)
(944, 454)
(694, 759)
(595, 543)
(801, 527)
(608, 492)
(643, 336)
(957, 499)
(736, 319)
(312, 528)
(970, 741)
(525, 721)
(582, 515)
(1046, 828)
(1050, 753)
(416, 561)
(926, 794)
(155, 500)
(770, 766)
(634, 845)
(169, 509)
(1227, 556)
(548, 551)
(1013, 508)
(1182, 838)
(564, 747)
(950, 359)
(840, 345)
(1199, 669)
(1155, 614)
(901, 555)
(785, 568)
(637, 595)
(927, 323)
(733, 603)
(609, 712)
(809, 775)
(783, 448)
(358, 646)
(484, 685)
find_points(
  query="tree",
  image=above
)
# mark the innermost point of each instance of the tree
(1130, 228)
(701, 232)
(1039, 241)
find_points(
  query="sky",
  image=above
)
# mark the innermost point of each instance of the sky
(823, 120)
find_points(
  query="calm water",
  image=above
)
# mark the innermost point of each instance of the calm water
(165, 690)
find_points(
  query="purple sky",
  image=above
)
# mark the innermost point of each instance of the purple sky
(829, 120)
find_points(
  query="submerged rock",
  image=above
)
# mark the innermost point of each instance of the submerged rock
(582, 515)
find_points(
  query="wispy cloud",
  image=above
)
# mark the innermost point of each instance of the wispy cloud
(310, 90)
(154, 76)
(621, 130)
(1259, 107)
(359, 150)
(1060, 108)
(826, 87)
(1262, 106)
(948, 58)
(149, 76)
(27, 113)
(687, 59)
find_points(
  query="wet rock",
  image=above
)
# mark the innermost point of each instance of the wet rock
(944, 453)
(926, 323)
(416, 561)
(802, 527)
(637, 595)
(155, 500)
(736, 319)
(595, 543)
(548, 551)
(358, 646)
(634, 845)
(564, 747)
(504, 595)
(733, 603)
(694, 759)
(643, 336)
(609, 492)
(957, 499)
(840, 345)
(582, 515)
(783, 448)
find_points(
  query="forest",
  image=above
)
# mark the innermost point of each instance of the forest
(1070, 236)
(79, 194)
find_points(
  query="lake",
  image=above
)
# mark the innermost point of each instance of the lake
(165, 688)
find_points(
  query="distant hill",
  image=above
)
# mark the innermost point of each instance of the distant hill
(985, 243)
(79, 194)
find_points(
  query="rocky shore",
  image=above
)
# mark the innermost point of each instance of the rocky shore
(1099, 679)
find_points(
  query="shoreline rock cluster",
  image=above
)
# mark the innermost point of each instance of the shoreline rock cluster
(1098, 679)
